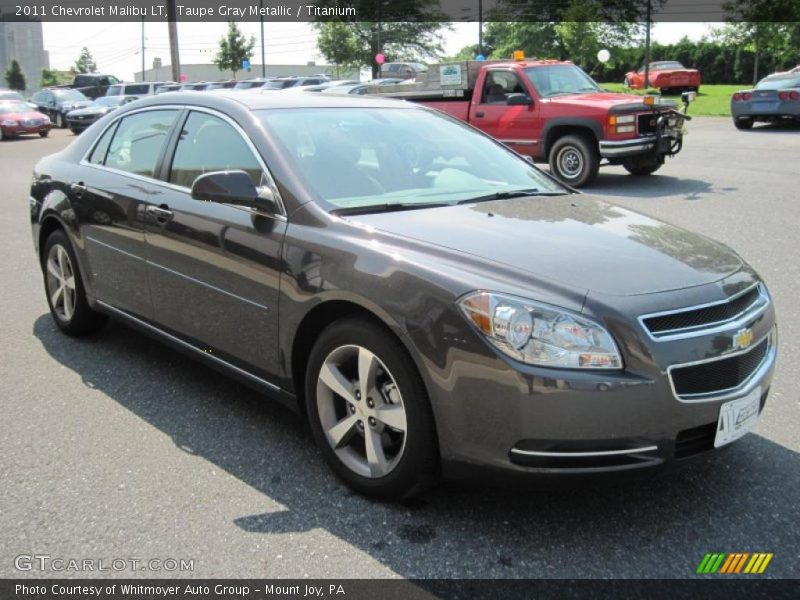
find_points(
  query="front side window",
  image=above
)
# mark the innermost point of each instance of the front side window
(371, 157)
(139, 140)
(208, 143)
(499, 85)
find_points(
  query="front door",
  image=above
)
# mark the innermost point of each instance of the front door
(214, 269)
(515, 126)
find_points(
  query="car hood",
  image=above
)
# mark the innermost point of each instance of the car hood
(90, 110)
(23, 116)
(602, 100)
(75, 104)
(572, 240)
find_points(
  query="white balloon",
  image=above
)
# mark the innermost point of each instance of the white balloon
(603, 55)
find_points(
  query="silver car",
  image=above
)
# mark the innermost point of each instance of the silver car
(775, 98)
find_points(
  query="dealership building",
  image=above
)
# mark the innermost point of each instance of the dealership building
(24, 43)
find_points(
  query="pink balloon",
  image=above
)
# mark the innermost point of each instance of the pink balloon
(380, 58)
(183, 77)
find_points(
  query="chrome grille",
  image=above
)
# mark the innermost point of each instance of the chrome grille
(699, 320)
(719, 376)
(32, 122)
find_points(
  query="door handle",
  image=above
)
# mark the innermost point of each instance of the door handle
(78, 189)
(479, 114)
(161, 213)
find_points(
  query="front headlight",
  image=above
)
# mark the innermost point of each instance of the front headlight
(539, 334)
(10, 123)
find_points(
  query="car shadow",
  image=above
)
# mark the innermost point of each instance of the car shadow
(652, 186)
(782, 127)
(744, 499)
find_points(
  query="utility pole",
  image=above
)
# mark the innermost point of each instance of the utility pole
(172, 17)
(263, 61)
(143, 75)
(480, 27)
(647, 47)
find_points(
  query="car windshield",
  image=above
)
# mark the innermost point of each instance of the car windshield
(557, 80)
(377, 157)
(109, 101)
(663, 66)
(7, 108)
(70, 95)
(778, 83)
(10, 96)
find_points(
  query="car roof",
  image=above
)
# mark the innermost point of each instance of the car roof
(258, 100)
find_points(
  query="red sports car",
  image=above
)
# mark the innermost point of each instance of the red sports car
(17, 118)
(667, 76)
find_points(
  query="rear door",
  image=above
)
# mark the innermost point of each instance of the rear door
(515, 126)
(110, 193)
(214, 268)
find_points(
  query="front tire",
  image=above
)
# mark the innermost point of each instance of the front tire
(369, 411)
(64, 288)
(743, 123)
(574, 160)
(44, 134)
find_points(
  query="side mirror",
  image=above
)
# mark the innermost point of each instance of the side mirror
(233, 187)
(688, 97)
(518, 100)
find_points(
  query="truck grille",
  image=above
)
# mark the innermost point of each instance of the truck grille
(647, 123)
(679, 322)
(718, 376)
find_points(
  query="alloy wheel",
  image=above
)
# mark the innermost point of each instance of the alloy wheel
(361, 411)
(61, 282)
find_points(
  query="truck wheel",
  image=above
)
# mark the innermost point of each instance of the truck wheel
(743, 123)
(638, 166)
(574, 160)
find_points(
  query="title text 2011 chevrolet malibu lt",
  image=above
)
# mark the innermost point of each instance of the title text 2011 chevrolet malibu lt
(430, 300)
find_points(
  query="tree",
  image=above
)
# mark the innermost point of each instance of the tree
(85, 62)
(338, 45)
(773, 43)
(49, 78)
(234, 48)
(15, 79)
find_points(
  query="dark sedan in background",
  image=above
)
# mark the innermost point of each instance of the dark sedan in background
(775, 98)
(57, 102)
(80, 118)
(433, 303)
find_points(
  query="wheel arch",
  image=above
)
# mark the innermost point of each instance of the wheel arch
(558, 128)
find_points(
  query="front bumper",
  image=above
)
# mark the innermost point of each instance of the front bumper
(496, 416)
(651, 144)
(81, 123)
(26, 130)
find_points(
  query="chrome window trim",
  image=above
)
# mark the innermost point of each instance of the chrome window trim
(187, 345)
(282, 216)
(584, 454)
(744, 388)
(733, 322)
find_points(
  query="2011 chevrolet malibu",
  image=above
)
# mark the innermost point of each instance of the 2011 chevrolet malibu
(428, 299)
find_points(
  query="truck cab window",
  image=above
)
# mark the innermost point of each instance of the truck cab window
(499, 85)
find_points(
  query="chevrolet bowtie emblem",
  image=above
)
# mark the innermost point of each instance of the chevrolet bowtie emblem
(743, 338)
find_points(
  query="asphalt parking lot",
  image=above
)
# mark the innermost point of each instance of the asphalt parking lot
(117, 447)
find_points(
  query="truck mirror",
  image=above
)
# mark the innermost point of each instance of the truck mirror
(518, 100)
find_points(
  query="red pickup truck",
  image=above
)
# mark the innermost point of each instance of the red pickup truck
(552, 111)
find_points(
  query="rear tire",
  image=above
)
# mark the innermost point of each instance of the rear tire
(574, 160)
(640, 167)
(372, 456)
(743, 123)
(64, 288)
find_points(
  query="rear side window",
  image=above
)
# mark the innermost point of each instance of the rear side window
(139, 140)
(98, 155)
(141, 89)
(207, 144)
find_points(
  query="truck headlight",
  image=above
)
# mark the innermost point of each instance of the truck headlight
(539, 334)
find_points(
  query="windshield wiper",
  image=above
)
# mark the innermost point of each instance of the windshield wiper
(387, 207)
(509, 195)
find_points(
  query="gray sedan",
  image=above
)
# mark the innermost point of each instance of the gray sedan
(775, 98)
(430, 301)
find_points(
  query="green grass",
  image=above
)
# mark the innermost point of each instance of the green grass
(712, 100)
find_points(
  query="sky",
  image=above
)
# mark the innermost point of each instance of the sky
(116, 47)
